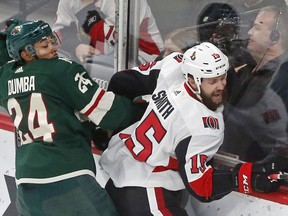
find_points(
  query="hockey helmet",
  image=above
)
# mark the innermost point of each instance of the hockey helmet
(219, 17)
(24, 36)
(204, 61)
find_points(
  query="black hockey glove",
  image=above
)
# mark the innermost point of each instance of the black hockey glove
(92, 18)
(261, 181)
(250, 177)
(100, 138)
(272, 164)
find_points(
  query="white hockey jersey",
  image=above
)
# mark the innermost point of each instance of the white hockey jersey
(150, 40)
(144, 154)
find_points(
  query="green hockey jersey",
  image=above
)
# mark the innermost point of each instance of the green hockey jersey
(45, 100)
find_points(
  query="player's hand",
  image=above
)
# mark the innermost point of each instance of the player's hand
(100, 138)
(83, 51)
(250, 177)
(92, 18)
(272, 164)
(260, 178)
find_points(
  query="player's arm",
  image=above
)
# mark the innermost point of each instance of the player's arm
(207, 184)
(105, 109)
(200, 179)
(137, 81)
(115, 112)
(102, 35)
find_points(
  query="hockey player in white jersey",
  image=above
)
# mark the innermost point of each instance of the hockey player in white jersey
(79, 19)
(170, 148)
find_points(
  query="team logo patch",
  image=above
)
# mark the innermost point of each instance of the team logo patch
(210, 122)
(178, 58)
(271, 116)
(91, 20)
(16, 30)
(82, 82)
(193, 56)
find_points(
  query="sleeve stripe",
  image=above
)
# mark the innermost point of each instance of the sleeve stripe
(96, 102)
(109, 33)
(103, 107)
(203, 186)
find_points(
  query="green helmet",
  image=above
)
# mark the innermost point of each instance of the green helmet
(24, 36)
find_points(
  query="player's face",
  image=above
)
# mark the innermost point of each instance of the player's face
(213, 91)
(46, 48)
(259, 35)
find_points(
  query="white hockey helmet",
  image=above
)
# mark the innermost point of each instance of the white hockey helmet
(204, 61)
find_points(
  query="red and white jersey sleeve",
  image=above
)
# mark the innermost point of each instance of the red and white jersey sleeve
(103, 33)
(150, 40)
(144, 154)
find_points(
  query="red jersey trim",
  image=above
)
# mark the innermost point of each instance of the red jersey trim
(161, 202)
(190, 92)
(172, 165)
(89, 111)
(6, 122)
(203, 186)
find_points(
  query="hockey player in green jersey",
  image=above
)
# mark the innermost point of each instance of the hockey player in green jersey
(45, 96)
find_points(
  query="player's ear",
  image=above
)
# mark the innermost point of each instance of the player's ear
(26, 56)
(192, 83)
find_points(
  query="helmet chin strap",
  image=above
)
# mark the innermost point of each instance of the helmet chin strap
(197, 93)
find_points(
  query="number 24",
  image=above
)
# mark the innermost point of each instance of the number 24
(37, 121)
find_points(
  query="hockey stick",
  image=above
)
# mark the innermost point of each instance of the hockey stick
(277, 176)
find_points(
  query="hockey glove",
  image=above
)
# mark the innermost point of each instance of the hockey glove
(100, 138)
(242, 174)
(272, 164)
(92, 18)
(250, 177)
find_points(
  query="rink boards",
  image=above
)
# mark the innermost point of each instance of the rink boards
(233, 204)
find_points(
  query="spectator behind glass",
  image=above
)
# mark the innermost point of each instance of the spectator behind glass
(219, 23)
(178, 40)
(256, 112)
(87, 28)
(45, 96)
(248, 10)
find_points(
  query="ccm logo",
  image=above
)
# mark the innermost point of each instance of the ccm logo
(246, 187)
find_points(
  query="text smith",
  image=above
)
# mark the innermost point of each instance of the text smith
(163, 104)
